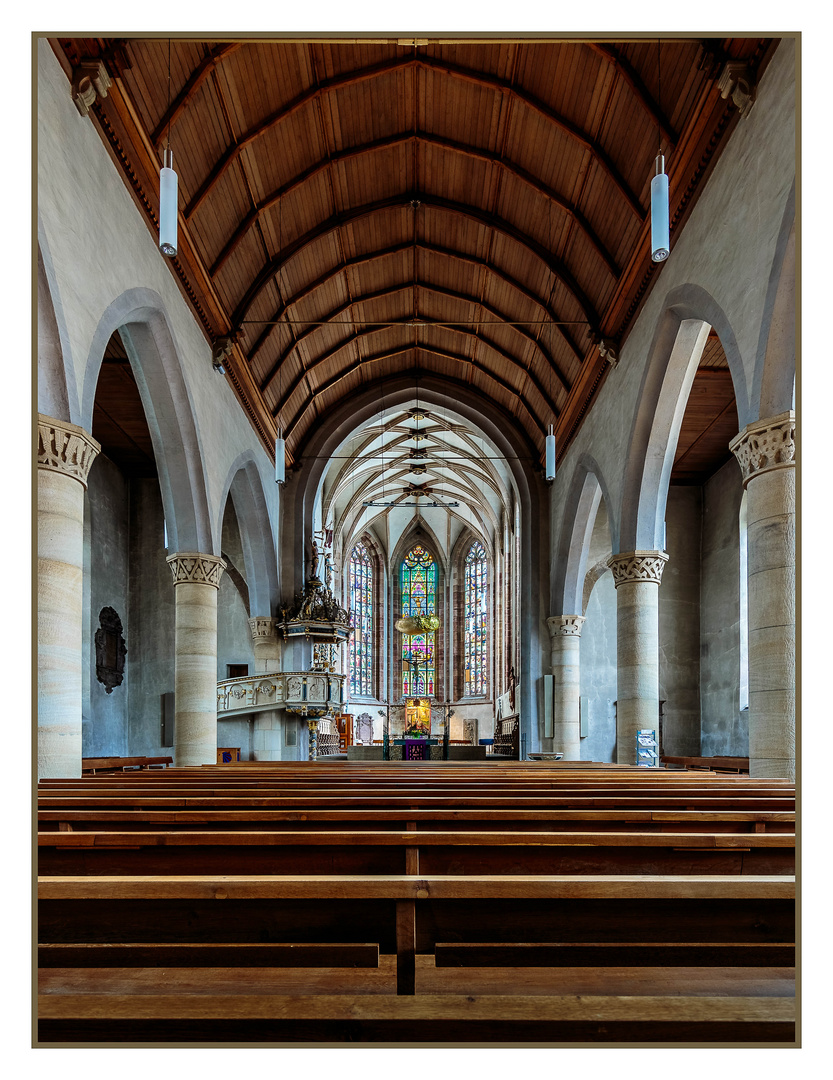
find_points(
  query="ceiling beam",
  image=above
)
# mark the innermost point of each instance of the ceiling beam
(431, 249)
(426, 139)
(353, 78)
(360, 335)
(356, 301)
(275, 265)
(389, 354)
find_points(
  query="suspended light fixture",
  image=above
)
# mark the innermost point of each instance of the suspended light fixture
(659, 212)
(660, 240)
(280, 459)
(550, 455)
(168, 188)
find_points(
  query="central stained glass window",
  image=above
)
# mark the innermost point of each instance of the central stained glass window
(419, 597)
(361, 607)
(475, 624)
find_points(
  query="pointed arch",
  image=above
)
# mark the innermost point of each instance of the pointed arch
(587, 490)
(244, 486)
(140, 318)
(675, 353)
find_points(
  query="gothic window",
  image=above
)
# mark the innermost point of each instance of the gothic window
(419, 597)
(361, 607)
(475, 620)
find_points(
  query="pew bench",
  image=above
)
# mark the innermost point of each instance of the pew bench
(593, 975)
(391, 851)
(95, 766)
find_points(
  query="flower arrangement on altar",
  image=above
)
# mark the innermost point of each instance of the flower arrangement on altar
(418, 730)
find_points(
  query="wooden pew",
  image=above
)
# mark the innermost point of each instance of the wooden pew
(95, 766)
(458, 852)
(741, 928)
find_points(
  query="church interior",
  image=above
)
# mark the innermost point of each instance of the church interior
(416, 538)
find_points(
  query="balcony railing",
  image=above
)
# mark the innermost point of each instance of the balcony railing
(308, 693)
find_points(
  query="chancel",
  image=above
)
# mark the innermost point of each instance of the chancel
(416, 538)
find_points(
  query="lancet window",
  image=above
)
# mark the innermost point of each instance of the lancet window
(418, 578)
(475, 621)
(361, 607)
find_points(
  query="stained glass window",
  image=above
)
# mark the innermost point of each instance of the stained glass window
(419, 597)
(361, 607)
(475, 620)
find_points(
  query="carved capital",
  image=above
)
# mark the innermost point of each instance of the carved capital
(631, 566)
(263, 629)
(65, 448)
(764, 445)
(565, 625)
(196, 568)
(89, 81)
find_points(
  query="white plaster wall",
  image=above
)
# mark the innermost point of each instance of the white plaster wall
(99, 247)
(726, 248)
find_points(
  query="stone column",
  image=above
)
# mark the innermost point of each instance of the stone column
(565, 641)
(636, 575)
(266, 731)
(65, 454)
(765, 452)
(197, 583)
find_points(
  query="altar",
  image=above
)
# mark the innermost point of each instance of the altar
(416, 748)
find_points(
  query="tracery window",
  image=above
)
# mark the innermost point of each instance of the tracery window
(418, 577)
(361, 606)
(475, 620)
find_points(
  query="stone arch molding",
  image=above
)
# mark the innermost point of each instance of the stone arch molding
(678, 343)
(139, 316)
(773, 388)
(586, 491)
(56, 377)
(245, 487)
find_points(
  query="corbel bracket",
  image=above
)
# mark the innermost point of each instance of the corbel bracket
(89, 81)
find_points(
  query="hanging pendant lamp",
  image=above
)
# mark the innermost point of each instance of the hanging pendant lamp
(659, 212)
(167, 206)
(550, 455)
(280, 460)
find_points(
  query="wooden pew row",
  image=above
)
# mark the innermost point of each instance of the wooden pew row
(95, 766)
(727, 923)
(389, 852)
(259, 818)
(416, 801)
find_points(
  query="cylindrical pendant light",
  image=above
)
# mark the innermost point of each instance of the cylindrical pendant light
(659, 212)
(167, 206)
(551, 455)
(280, 460)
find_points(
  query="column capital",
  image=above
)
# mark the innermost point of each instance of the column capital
(764, 445)
(197, 568)
(635, 566)
(263, 628)
(65, 448)
(565, 625)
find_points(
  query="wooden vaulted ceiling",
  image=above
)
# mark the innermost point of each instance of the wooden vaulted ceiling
(354, 210)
